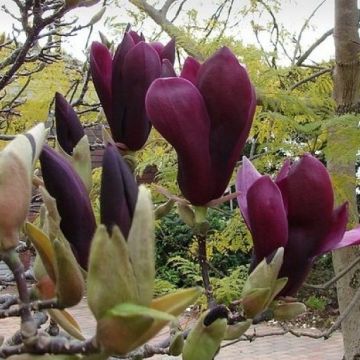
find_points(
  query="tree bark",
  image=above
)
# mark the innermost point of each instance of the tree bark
(347, 98)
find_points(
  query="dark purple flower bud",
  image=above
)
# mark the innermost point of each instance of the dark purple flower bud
(190, 69)
(167, 70)
(122, 83)
(168, 52)
(165, 52)
(77, 218)
(295, 212)
(69, 130)
(206, 122)
(136, 37)
(119, 192)
(101, 72)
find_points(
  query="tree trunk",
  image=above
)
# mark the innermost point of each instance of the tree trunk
(342, 163)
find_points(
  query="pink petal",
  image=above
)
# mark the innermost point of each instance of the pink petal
(337, 230)
(101, 71)
(350, 238)
(267, 217)
(246, 176)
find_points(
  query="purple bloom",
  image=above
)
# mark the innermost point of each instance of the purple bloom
(119, 192)
(77, 218)
(121, 83)
(206, 119)
(69, 130)
(295, 211)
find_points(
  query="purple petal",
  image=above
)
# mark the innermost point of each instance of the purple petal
(168, 51)
(283, 171)
(167, 70)
(119, 192)
(157, 46)
(308, 193)
(177, 111)
(136, 37)
(267, 217)
(230, 101)
(118, 87)
(190, 69)
(77, 218)
(141, 67)
(296, 269)
(350, 238)
(246, 176)
(337, 229)
(101, 72)
(69, 130)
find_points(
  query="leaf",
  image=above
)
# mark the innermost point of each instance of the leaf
(175, 303)
(70, 285)
(67, 322)
(44, 248)
(115, 282)
(141, 242)
(128, 310)
(204, 341)
(81, 160)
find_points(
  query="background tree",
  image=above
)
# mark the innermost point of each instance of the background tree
(345, 133)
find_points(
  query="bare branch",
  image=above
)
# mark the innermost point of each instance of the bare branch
(190, 47)
(311, 77)
(336, 278)
(166, 7)
(12, 260)
(306, 23)
(307, 53)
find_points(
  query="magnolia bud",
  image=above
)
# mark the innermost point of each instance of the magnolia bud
(234, 331)
(70, 285)
(16, 165)
(186, 214)
(288, 311)
(176, 344)
(204, 339)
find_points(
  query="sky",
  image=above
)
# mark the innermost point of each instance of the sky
(292, 16)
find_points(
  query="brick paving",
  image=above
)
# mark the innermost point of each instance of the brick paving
(285, 347)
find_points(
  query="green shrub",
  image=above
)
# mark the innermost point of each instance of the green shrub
(316, 303)
(163, 287)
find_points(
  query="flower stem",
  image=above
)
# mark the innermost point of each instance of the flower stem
(202, 257)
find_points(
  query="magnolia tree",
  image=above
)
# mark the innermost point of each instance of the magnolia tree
(205, 113)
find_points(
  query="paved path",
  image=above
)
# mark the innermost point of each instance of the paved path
(285, 347)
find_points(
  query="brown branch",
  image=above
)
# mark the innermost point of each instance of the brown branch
(309, 78)
(12, 260)
(307, 53)
(34, 306)
(52, 345)
(334, 279)
(165, 8)
(297, 47)
(172, 30)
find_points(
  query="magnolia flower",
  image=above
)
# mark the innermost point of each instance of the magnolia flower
(296, 211)
(69, 130)
(121, 83)
(72, 200)
(16, 167)
(118, 193)
(206, 115)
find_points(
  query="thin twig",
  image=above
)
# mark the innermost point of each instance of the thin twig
(334, 279)
(309, 78)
